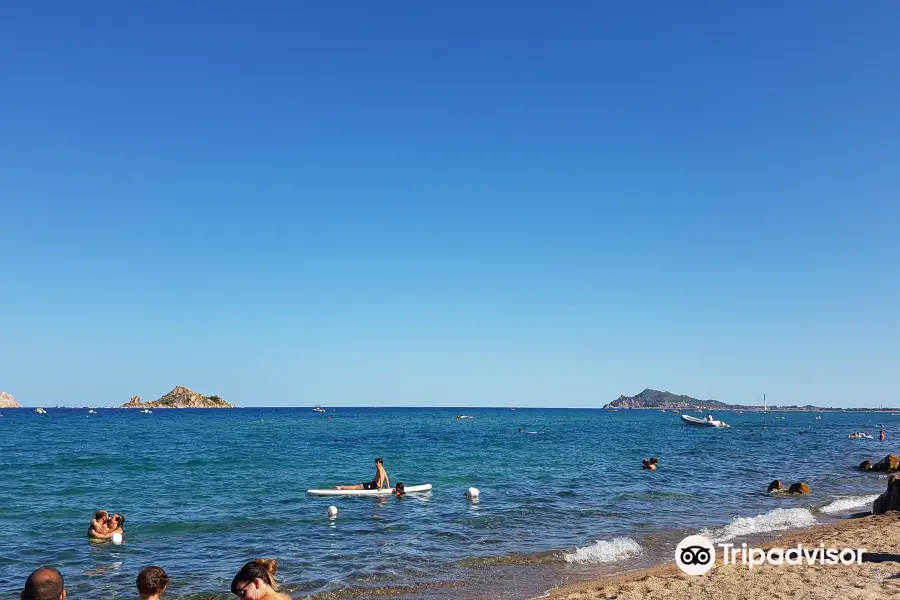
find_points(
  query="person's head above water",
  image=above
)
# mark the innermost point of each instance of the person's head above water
(45, 583)
(151, 582)
(101, 515)
(400, 490)
(254, 579)
(379, 461)
(116, 521)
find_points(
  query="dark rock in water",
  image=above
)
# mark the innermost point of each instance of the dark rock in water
(775, 486)
(799, 488)
(888, 464)
(7, 401)
(890, 499)
(180, 397)
(865, 466)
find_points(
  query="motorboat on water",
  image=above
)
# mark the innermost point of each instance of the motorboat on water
(463, 416)
(319, 409)
(92, 412)
(707, 422)
(40, 411)
(147, 411)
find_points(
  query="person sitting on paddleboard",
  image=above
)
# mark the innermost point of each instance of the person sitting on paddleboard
(381, 479)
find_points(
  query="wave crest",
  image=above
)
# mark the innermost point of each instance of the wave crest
(776, 520)
(844, 504)
(604, 551)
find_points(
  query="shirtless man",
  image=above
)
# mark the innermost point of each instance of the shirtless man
(113, 526)
(381, 479)
(98, 523)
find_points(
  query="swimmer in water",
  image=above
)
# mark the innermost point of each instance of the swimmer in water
(881, 435)
(113, 526)
(399, 491)
(647, 465)
(151, 583)
(98, 524)
(256, 581)
(380, 480)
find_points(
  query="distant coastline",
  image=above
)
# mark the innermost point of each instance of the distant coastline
(657, 400)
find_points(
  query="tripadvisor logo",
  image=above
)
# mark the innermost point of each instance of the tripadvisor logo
(696, 555)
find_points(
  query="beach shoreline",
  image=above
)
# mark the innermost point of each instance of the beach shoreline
(878, 576)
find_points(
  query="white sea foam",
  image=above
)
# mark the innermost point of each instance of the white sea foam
(843, 504)
(604, 551)
(776, 520)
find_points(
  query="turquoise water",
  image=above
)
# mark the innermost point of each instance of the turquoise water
(205, 491)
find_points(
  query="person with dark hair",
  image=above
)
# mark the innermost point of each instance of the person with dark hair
(113, 526)
(399, 491)
(152, 582)
(45, 583)
(98, 523)
(380, 480)
(256, 581)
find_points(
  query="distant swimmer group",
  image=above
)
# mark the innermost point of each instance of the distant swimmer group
(649, 465)
(104, 527)
(856, 435)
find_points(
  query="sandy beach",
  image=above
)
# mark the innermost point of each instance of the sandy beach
(877, 577)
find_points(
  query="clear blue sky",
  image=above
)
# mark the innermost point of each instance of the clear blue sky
(458, 203)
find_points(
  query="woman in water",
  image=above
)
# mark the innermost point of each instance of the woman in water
(113, 526)
(399, 491)
(151, 583)
(256, 581)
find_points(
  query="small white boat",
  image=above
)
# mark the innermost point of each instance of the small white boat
(818, 418)
(92, 412)
(319, 409)
(40, 411)
(707, 422)
(463, 416)
(147, 411)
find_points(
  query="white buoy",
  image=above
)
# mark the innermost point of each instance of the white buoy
(472, 493)
(332, 512)
(117, 538)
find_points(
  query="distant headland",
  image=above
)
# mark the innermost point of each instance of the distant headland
(180, 397)
(7, 401)
(666, 400)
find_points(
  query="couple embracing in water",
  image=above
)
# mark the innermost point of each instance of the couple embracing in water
(381, 480)
(104, 526)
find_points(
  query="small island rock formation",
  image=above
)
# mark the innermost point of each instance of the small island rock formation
(7, 401)
(180, 397)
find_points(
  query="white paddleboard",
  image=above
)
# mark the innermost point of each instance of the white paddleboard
(410, 489)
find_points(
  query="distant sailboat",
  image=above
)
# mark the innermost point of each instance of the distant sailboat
(765, 408)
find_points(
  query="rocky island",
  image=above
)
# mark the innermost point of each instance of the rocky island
(656, 399)
(667, 400)
(7, 401)
(180, 397)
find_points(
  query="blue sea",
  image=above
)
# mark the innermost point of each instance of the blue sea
(203, 491)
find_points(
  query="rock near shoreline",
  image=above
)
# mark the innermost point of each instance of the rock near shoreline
(180, 397)
(7, 401)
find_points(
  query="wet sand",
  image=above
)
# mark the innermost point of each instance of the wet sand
(878, 576)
